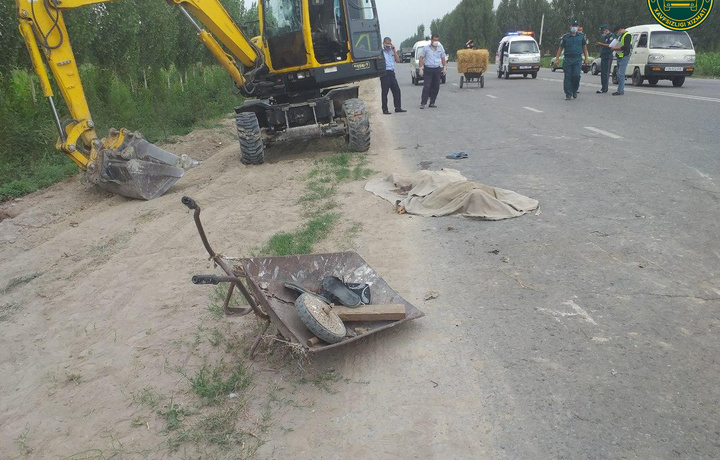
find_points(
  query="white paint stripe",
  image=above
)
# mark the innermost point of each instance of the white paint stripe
(533, 110)
(604, 133)
(648, 91)
(491, 96)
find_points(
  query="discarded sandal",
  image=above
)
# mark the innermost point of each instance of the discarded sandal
(457, 156)
(301, 290)
(337, 292)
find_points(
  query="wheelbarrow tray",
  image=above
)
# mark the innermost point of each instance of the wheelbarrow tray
(266, 277)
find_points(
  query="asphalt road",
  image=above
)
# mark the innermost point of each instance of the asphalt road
(596, 321)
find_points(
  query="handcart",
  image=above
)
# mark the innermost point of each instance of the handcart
(473, 75)
(262, 282)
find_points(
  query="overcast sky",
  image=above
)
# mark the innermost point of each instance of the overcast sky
(399, 18)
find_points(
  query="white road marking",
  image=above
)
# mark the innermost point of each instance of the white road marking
(563, 314)
(533, 110)
(491, 96)
(604, 133)
(647, 91)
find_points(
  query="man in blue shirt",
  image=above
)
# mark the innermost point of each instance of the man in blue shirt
(432, 61)
(575, 47)
(388, 82)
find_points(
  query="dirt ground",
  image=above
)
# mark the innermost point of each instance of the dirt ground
(101, 330)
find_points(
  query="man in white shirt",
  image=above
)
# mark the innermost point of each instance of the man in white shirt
(388, 82)
(432, 61)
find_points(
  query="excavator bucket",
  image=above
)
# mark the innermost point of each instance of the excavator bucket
(130, 166)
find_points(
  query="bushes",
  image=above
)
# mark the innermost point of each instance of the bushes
(707, 65)
(171, 104)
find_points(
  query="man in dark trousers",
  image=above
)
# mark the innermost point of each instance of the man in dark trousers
(432, 61)
(606, 57)
(575, 48)
(388, 82)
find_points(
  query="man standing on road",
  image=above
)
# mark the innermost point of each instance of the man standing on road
(388, 82)
(574, 45)
(432, 62)
(606, 57)
(623, 56)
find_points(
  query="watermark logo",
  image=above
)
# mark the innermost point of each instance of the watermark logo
(680, 14)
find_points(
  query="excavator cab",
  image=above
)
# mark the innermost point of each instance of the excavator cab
(311, 48)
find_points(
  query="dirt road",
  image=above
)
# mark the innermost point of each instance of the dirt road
(103, 336)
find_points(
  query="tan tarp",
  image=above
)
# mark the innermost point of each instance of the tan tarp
(447, 192)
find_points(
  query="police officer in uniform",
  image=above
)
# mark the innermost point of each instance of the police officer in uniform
(606, 57)
(575, 47)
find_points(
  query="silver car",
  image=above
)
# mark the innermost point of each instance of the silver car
(595, 66)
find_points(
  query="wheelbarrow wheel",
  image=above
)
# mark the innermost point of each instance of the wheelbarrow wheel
(482, 81)
(311, 311)
(462, 81)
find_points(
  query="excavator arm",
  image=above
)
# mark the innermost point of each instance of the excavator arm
(123, 162)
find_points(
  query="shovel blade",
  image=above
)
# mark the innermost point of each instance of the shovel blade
(139, 169)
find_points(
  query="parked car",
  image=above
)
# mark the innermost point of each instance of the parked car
(585, 68)
(595, 66)
(416, 73)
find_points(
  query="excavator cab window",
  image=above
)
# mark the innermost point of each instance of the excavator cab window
(364, 28)
(329, 35)
(284, 33)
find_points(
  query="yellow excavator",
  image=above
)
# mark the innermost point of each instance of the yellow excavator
(291, 75)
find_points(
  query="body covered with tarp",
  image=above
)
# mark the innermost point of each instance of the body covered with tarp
(447, 192)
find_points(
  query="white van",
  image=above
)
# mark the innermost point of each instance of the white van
(659, 54)
(416, 73)
(518, 53)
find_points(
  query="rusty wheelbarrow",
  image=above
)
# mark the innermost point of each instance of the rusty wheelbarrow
(261, 281)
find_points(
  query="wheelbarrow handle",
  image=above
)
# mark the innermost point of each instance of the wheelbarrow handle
(189, 202)
(214, 279)
(206, 279)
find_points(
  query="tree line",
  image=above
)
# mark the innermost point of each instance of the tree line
(477, 20)
(127, 37)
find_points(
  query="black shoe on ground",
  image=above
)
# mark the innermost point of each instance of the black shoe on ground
(617, 93)
(387, 112)
(574, 95)
(422, 106)
(600, 91)
(400, 110)
(432, 106)
(568, 98)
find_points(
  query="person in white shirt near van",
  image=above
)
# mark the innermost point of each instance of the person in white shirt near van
(432, 61)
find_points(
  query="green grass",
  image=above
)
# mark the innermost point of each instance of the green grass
(320, 188)
(28, 159)
(707, 65)
(214, 383)
(301, 240)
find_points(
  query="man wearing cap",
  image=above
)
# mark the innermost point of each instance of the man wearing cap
(573, 44)
(623, 56)
(606, 57)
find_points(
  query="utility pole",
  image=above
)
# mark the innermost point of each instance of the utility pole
(542, 24)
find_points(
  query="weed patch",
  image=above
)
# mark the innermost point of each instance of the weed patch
(320, 188)
(213, 383)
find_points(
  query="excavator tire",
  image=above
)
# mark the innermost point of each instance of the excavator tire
(252, 151)
(358, 125)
